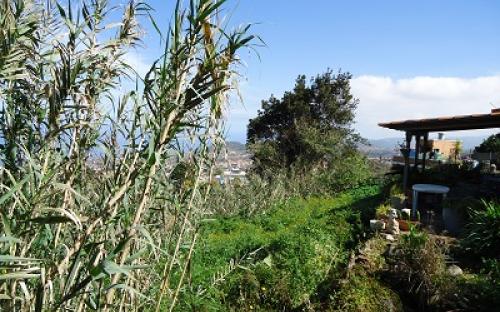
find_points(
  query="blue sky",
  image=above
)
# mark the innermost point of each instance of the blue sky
(409, 59)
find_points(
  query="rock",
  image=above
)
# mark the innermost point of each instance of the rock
(389, 237)
(454, 270)
(377, 225)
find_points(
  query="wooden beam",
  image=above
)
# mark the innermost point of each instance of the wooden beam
(449, 123)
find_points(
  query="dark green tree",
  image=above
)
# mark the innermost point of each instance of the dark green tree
(310, 126)
(490, 145)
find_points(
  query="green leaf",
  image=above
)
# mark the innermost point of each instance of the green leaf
(9, 239)
(9, 258)
(112, 268)
(14, 189)
(18, 275)
(268, 261)
(127, 288)
(5, 297)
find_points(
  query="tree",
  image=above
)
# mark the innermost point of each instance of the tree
(490, 145)
(457, 150)
(309, 126)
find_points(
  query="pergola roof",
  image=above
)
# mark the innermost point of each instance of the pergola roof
(451, 123)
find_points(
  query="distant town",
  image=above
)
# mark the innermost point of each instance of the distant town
(236, 161)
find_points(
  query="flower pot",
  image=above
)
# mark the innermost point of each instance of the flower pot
(404, 225)
(405, 214)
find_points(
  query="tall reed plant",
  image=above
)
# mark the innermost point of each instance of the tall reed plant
(99, 208)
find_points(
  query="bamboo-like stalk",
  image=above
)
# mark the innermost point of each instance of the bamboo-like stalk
(82, 233)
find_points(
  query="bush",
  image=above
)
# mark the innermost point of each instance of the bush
(382, 211)
(419, 272)
(415, 265)
(482, 234)
(469, 292)
(423, 257)
(363, 290)
(260, 194)
(363, 293)
(254, 196)
(489, 145)
(491, 267)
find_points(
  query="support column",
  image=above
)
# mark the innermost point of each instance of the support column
(417, 151)
(406, 155)
(426, 140)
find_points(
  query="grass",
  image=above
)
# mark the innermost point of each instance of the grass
(287, 257)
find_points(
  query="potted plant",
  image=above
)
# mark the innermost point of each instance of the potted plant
(382, 211)
(404, 150)
(405, 222)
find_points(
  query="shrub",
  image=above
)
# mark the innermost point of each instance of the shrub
(396, 188)
(363, 293)
(491, 267)
(489, 145)
(482, 234)
(255, 196)
(382, 211)
(363, 290)
(468, 292)
(416, 265)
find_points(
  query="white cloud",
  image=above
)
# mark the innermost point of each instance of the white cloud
(387, 99)
(137, 62)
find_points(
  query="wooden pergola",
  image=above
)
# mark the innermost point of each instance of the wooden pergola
(420, 129)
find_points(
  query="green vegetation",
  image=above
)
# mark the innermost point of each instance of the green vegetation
(364, 289)
(365, 293)
(482, 235)
(417, 270)
(309, 133)
(288, 258)
(489, 145)
(100, 184)
(108, 200)
(382, 211)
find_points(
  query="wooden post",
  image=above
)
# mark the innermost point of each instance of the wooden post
(426, 140)
(417, 151)
(406, 155)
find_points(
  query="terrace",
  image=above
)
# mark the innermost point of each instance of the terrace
(456, 180)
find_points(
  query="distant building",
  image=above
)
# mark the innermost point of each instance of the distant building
(231, 173)
(438, 149)
(443, 149)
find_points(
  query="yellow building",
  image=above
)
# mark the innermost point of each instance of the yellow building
(444, 148)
